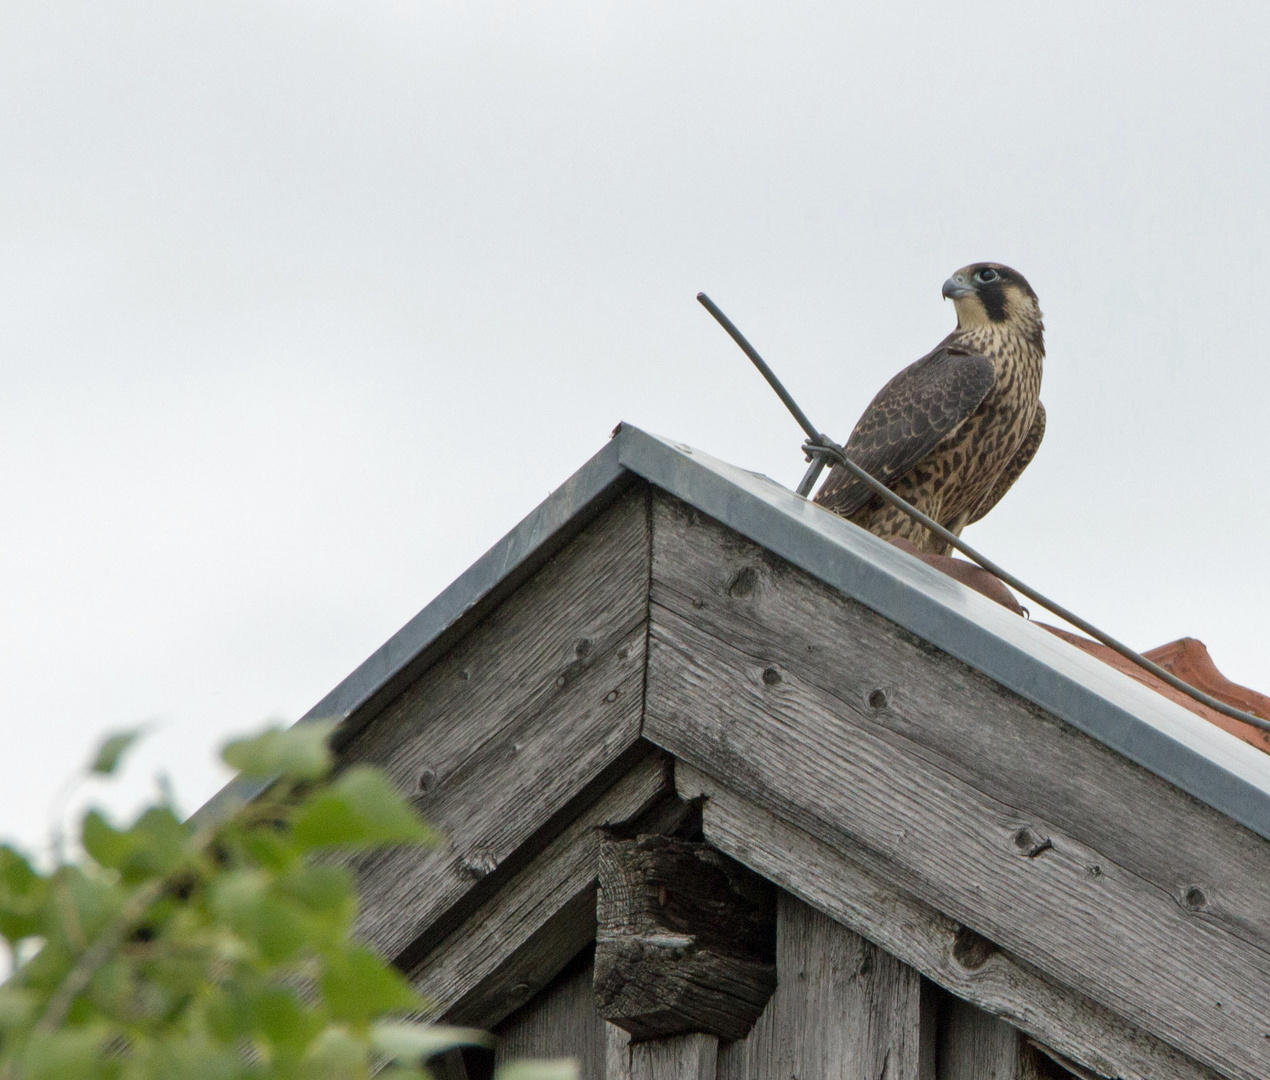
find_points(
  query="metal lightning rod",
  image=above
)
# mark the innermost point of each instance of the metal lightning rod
(820, 448)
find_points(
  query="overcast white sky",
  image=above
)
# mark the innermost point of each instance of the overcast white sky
(304, 304)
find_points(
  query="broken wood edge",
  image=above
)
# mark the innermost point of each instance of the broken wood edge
(685, 939)
(519, 938)
(862, 898)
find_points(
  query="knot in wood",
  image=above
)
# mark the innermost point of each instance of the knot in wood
(742, 583)
(1194, 899)
(1029, 845)
(971, 950)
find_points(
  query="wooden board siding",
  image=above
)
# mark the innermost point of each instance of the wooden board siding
(561, 1022)
(843, 1009)
(512, 723)
(1007, 820)
(858, 889)
(516, 942)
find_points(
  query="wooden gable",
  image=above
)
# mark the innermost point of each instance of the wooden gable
(971, 883)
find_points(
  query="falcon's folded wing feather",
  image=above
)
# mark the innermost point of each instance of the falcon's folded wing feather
(1022, 458)
(925, 402)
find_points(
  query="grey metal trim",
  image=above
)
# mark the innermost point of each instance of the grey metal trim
(1175, 744)
(1200, 758)
(404, 656)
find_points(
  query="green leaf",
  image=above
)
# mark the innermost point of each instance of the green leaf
(336, 1053)
(413, 1043)
(68, 1054)
(281, 1018)
(17, 1008)
(560, 1069)
(360, 809)
(152, 847)
(244, 900)
(299, 752)
(112, 749)
(359, 986)
(22, 895)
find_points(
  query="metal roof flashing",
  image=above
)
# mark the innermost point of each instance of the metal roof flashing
(1208, 763)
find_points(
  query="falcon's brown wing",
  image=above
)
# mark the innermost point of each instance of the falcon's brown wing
(925, 402)
(1022, 458)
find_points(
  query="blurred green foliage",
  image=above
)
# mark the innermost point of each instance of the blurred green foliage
(219, 950)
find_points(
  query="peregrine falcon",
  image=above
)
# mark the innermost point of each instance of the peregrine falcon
(953, 431)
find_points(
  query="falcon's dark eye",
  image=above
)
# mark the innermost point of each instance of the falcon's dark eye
(986, 277)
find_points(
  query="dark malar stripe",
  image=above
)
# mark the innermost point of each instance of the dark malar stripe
(993, 298)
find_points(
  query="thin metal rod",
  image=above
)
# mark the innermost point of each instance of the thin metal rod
(761, 364)
(820, 447)
(811, 475)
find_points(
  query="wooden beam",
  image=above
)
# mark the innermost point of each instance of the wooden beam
(720, 696)
(509, 726)
(686, 939)
(515, 943)
(859, 890)
(843, 1008)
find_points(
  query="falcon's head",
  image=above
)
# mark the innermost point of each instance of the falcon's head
(989, 293)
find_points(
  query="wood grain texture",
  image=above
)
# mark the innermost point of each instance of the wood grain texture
(617, 1053)
(843, 1009)
(976, 1046)
(511, 724)
(685, 939)
(561, 1022)
(693, 1056)
(858, 889)
(516, 942)
(962, 721)
(1070, 912)
(768, 729)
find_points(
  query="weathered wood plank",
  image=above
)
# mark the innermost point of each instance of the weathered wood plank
(1214, 870)
(792, 746)
(843, 1008)
(858, 888)
(512, 723)
(561, 1022)
(617, 1053)
(976, 1046)
(685, 941)
(693, 1056)
(521, 937)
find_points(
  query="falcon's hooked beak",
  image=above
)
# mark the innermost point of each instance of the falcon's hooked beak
(956, 287)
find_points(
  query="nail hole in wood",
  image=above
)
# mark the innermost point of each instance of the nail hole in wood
(771, 676)
(877, 699)
(427, 781)
(582, 648)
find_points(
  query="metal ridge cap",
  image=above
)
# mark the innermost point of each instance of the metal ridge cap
(1149, 729)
